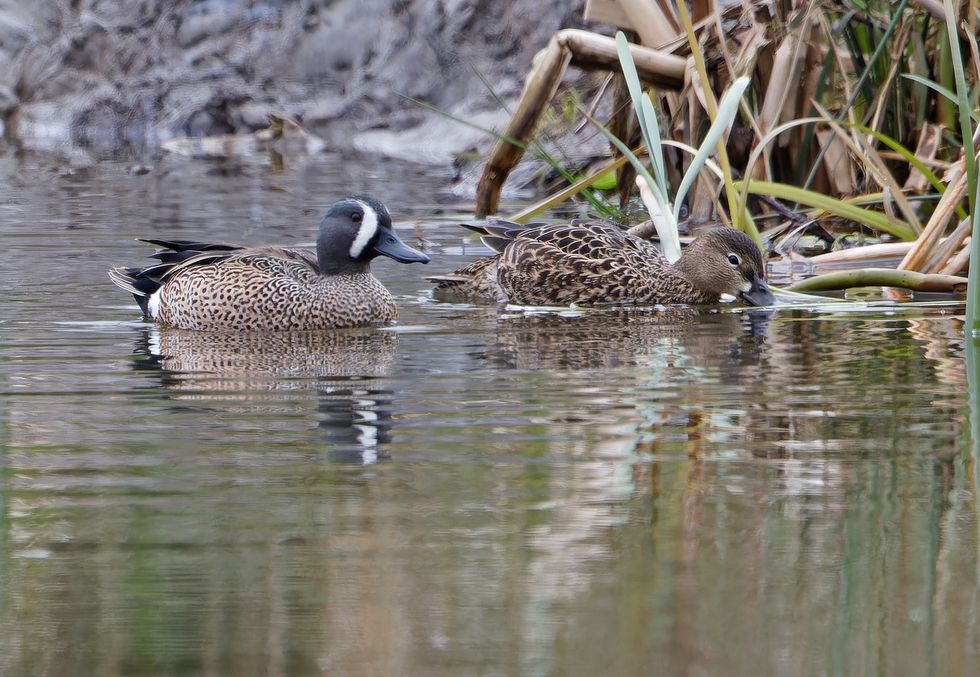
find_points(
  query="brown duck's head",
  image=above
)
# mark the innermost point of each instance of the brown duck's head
(727, 261)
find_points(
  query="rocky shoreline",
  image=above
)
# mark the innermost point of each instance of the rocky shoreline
(111, 73)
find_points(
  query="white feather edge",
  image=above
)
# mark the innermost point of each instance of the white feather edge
(663, 221)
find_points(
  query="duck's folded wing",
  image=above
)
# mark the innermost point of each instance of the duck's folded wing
(539, 273)
(497, 233)
(175, 256)
(182, 255)
(304, 256)
(143, 282)
(190, 245)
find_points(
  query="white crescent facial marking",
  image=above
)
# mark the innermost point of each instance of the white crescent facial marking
(153, 305)
(746, 286)
(369, 226)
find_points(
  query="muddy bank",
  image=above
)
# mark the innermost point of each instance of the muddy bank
(116, 72)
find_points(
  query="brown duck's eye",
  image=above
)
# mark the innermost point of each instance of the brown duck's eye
(734, 260)
(356, 217)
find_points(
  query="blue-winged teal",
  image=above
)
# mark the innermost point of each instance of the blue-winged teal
(218, 286)
(591, 263)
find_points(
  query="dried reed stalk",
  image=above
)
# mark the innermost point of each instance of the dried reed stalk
(656, 24)
(918, 256)
(586, 50)
(948, 248)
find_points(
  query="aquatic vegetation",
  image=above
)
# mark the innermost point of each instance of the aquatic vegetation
(855, 128)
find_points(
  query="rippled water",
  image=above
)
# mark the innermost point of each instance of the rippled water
(473, 492)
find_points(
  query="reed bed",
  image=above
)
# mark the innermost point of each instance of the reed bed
(857, 127)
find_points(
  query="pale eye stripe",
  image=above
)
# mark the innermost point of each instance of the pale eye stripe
(369, 226)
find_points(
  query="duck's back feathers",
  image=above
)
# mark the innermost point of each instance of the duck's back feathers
(497, 233)
(587, 264)
(595, 262)
(174, 256)
(584, 262)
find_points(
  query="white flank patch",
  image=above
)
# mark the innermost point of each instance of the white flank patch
(369, 226)
(153, 305)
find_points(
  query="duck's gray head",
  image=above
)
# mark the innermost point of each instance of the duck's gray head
(727, 261)
(355, 231)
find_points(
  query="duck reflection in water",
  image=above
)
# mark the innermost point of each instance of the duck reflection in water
(612, 337)
(640, 383)
(254, 373)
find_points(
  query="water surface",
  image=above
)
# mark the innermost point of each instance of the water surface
(474, 492)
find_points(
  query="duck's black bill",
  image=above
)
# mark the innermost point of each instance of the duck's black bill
(759, 294)
(390, 245)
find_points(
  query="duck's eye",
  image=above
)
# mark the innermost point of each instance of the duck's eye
(356, 218)
(734, 260)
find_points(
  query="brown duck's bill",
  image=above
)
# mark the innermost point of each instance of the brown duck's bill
(759, 293)
(390, 245)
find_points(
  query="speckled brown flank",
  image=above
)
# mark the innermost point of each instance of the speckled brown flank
(263, 291)
(591, 263)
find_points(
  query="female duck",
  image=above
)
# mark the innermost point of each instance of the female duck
(589, 263)
(219, 286)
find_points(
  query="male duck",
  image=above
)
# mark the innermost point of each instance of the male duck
(219, 286)
(589, 263)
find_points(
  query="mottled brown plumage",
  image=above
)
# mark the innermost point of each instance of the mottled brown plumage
(260, 290)
(591, 263)
(217, 286)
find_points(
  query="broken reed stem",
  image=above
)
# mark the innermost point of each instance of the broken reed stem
(856, 255)
(881, 277)
(592, 51)
(959, 262)
(656, 27)
(948, 247)
(918, 256)
(548, 66)
(586, 50)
